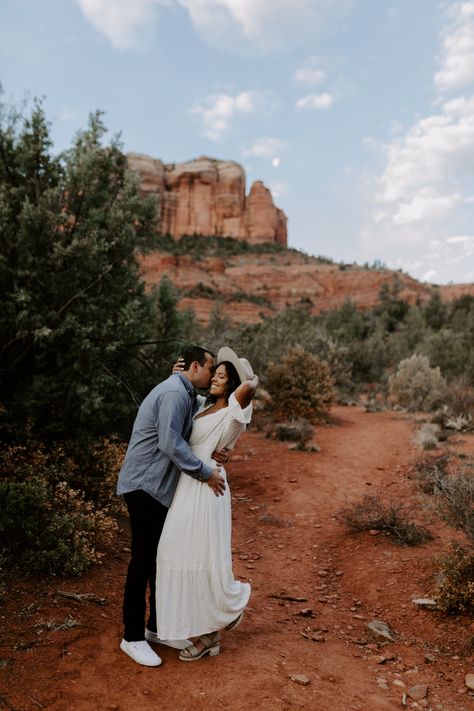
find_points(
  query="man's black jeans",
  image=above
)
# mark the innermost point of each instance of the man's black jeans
(147, 517)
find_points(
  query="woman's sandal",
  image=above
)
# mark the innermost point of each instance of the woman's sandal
(232, 625)
(211, 644)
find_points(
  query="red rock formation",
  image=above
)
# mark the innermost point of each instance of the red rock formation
(251, 285)
(207, 196)
(263, 222)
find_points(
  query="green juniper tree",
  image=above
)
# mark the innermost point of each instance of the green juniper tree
(74, 310)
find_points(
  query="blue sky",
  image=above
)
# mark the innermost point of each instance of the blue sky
(357, 114)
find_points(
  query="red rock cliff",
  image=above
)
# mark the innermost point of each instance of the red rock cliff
(207, 196)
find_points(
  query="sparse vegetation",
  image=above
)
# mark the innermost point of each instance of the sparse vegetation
(372, 515)
(452, 487)
(430, 472)
(427, 437)
(454, 592)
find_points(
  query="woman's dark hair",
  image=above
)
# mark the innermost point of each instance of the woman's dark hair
(233, 379)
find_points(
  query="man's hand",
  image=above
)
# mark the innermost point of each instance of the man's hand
(217, 482)
(221, 456)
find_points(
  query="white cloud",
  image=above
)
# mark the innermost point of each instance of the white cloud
(310, 72)
(457, 57)
(467, 240)
(316, 101)
(265, 148)
(266, 23)
(425, 205)
(127, 24)
(439, 260)
(218, 110)
(437, 151)
(421, 205)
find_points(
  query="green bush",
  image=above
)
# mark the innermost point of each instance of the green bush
(48, 529)
(417, 386)
(300, 386)
(55, 508)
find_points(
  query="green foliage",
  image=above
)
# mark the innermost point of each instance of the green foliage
(173, 329)
(46, 525)
(271, 339)
(50, 530)
(200, 246)
(417, 386)
(391, 309)
(75, 314)
(301, 385)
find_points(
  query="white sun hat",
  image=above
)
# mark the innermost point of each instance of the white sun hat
(242, 366)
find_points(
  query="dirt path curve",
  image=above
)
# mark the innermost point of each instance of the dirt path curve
(287, 542)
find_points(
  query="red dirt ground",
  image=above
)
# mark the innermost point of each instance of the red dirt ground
(287, 541)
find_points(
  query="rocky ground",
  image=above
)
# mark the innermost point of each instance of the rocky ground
(304, 642)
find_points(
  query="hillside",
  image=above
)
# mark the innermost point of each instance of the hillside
(253, 283)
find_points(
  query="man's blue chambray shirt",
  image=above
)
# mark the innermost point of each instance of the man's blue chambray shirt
(158, 449)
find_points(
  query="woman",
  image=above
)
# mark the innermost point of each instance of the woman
(196, 592)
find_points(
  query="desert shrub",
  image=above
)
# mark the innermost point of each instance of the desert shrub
(427, 437)
(455, 588)
(300, 386)
(460, 399)
(417, 386)
(51, 529)
(455, 500)
(91, 469)
(298, 430)
(430, 473)
(55, 509)
(371, 514)
(96, 472)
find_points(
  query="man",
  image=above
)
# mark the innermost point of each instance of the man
(157, 452)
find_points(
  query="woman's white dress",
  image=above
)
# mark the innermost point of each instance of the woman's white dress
(196, 592)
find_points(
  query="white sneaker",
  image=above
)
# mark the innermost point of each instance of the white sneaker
(141, 652)
(175, 643)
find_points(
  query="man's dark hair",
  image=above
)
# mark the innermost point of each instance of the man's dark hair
(195, 353)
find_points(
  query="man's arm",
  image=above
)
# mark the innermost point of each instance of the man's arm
(170, 420)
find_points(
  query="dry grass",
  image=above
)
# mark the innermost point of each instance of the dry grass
(372, 515)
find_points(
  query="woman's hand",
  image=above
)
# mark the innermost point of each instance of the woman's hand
(178, 367)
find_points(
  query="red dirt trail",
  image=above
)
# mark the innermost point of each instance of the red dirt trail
(288, 541)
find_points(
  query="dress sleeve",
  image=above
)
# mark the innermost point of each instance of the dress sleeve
(236, 412)
(237, 418)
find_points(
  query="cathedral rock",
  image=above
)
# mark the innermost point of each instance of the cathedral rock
(207, 196)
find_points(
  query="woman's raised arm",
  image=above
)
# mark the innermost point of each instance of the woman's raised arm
(245, 392)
